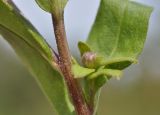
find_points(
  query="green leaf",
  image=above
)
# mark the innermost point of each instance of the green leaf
(81, 72)
(50, 79)
(16, 23)
(99, 82)
(120, 30)
(52, 6)
(105, 72)
(96, 80)
(83, 48)
(45, 5)
(119, 63)
(37, 60)
(92, 90)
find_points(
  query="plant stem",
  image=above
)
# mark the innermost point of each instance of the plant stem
(65, 66)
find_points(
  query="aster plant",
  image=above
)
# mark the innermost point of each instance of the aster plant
(116, 39)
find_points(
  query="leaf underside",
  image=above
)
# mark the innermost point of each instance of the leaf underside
(36, 55)
(52, 6)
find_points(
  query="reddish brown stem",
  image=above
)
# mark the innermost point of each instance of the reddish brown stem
(65, 66)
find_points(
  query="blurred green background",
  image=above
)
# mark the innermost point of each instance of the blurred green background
(137, 93)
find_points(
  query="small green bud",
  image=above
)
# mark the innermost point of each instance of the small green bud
(91, 60)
